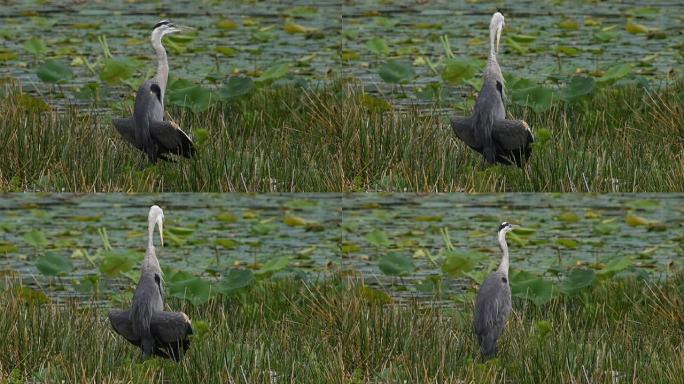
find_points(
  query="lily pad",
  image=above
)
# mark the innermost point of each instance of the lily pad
(185, 286)
(636, 28)
(274, 265)
(295, 221)
(578, 280)
(378, 46)
(615, 266)
(568, 217)
(614, 74)
(294, 28)
(458, 70)
(536, 97)
(35, 45)
(578, 88)
(569, 24)
(227, 51)
(396, 264)
(115, 263)
(227, 243)
(190, 96)
(530, 287)
(54, 264)
(396, 72)
(8, 247)
(117, 70)
(273, 73)
(236, 87)
(457, 264)
(36, 238)
(53, 71)
(235, 281)
(634, 220)
(567, 243)
(226, 24)
(378, 237)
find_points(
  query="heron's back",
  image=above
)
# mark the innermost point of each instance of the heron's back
(147, 300)
(149, 101)
(492, 307)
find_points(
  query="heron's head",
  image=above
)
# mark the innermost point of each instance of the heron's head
(166, 27)
(505, 228)
(495, 27)
(156, 217)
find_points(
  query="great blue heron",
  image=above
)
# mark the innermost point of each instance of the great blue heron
(145, 324)
(146, 129)
(493, 301)
(487, 131)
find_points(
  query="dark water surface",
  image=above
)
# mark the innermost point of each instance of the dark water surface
(208, 234)
(72, 31)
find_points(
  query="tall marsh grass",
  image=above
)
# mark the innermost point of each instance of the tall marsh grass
(622, 331)
(334, 139)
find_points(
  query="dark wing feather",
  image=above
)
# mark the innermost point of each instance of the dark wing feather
(171, 139)
(171, 331)
(121, 322)
(463, 128)
(513, 139)
(126, 127)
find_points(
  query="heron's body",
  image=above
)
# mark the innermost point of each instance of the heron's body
(493, 301)
(145, 324)
(488, 131)
(492, 307)
(146, 129)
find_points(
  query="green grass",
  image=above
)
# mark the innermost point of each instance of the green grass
(623, 139)
(620, 331)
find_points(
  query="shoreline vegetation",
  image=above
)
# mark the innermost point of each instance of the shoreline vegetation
(286, 330)
(340, 138)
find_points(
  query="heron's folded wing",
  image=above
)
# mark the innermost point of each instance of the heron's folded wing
(512, 135)
(170, 327)
(171, 331)
(463, 128)
(513, 139)
(171, 138)
(121, 322)
(126, 127)
(492, 306)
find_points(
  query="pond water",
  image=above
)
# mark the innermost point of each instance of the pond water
(542, 39)
(320, 234)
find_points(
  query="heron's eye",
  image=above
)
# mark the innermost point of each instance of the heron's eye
(504, 280)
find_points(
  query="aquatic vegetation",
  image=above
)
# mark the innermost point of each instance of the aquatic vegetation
(622, 330)
(267, 275)
(241, 76)
(249, 143)
(223, 250)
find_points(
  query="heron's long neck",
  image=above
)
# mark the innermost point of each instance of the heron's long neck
(503, 267)
(492, 45)
(150, 261)
(162, 64)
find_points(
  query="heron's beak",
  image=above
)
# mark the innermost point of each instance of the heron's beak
(182, 28)
(160, 224)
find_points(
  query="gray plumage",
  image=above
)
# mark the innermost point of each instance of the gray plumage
(145, 324)
(493, 301)
(146, 129)
(487, 131)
